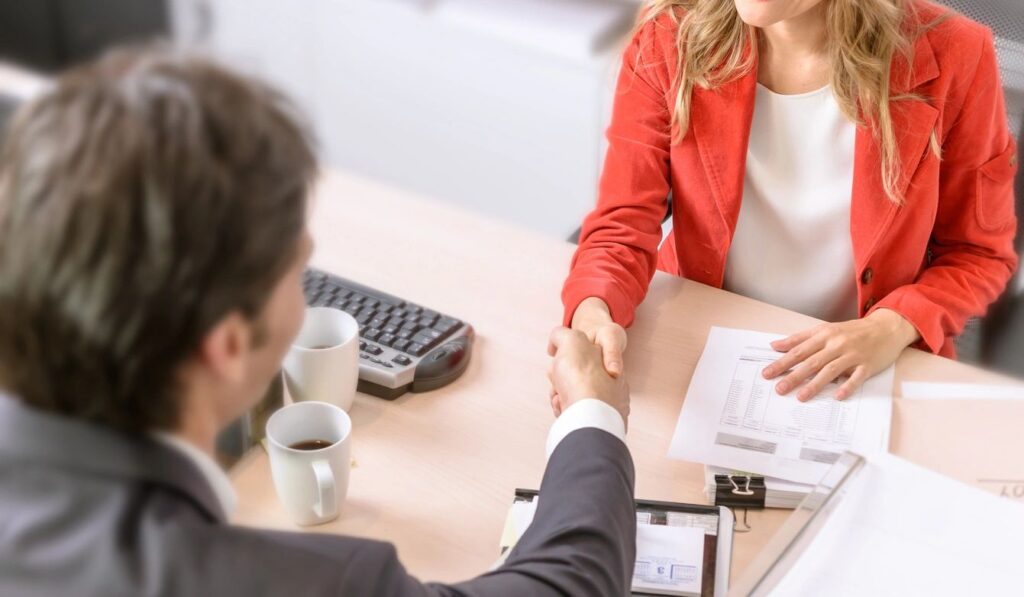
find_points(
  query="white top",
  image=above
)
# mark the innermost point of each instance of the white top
(792, 245)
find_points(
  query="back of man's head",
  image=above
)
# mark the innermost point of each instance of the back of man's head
(142, 200)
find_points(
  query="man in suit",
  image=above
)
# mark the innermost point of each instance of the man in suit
(152, 243)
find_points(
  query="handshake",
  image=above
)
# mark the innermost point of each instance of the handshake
(578, 372)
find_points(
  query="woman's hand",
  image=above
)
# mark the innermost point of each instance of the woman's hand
(859, 348)
(593, 318)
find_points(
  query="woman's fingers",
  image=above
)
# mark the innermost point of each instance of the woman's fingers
(857, 378)
(786, 344)
(791, 359)
(805, 370)
(825, 375)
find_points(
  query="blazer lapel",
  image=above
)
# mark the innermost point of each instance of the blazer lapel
(720, 120)
(871, 211)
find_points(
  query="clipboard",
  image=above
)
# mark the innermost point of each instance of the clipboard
(780, 554)
(717, 543)
(880, 523)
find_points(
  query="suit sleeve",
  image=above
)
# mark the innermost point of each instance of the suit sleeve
(619, 239)
(583, 537)
(972, 242)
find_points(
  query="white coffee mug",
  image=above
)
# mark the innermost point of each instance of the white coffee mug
(311, 482)
(323, 363)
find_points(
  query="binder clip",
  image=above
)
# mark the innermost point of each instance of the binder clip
(740, 491)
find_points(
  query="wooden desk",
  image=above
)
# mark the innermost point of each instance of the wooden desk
(435, 472)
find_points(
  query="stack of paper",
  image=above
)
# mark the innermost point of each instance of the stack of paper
(779, 493)
(733, 418)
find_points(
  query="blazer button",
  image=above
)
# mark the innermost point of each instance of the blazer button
(867, 276)
(871, 303)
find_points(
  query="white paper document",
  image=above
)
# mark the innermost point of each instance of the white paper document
(669, 559)
(901, 530)
(920, 390)
(733, 417)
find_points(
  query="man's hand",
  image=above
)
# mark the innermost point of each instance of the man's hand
(594, 319)
(858, 349)
(577, 372)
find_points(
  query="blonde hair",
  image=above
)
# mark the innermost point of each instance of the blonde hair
(716, 46)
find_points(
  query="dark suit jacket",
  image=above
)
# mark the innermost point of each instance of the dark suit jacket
(87, 511)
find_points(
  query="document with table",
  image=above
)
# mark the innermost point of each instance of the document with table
(732, 416)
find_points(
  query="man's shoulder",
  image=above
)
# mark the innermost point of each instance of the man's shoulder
(143, 537)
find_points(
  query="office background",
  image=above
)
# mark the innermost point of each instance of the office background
(494, 106)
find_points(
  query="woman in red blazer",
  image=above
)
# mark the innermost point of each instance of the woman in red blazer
(930, 206)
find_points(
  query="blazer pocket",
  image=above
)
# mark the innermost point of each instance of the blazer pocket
(994, 206)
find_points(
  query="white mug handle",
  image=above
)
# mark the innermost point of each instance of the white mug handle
(326, 505)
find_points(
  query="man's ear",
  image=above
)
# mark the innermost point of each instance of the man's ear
(224, 348)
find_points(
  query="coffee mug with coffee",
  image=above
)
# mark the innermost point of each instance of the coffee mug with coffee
(310, 454)
(323, 363)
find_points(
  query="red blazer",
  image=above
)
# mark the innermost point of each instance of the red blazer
(938, 260)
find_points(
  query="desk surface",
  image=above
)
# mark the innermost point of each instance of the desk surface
(434, 473)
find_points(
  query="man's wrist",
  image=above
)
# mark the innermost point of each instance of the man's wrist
(586, 413)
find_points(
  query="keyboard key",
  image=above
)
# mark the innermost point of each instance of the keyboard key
(386, 339)
(416, 349)
(353, 309)
(413, 309)
(411, 325)
(364, 318)
(391, 328)
(400, 344)
(405, 334)
(374, 350)
(378, 322)
(427, 321)
(448, 322)
(371, 302)
(424, 340)
(372, 333)
(402, 360)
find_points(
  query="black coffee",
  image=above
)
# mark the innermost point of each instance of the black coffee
(311, 444)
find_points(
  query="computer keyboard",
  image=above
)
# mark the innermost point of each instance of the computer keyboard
(403, 346)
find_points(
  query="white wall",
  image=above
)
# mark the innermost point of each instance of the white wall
(503, 113)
